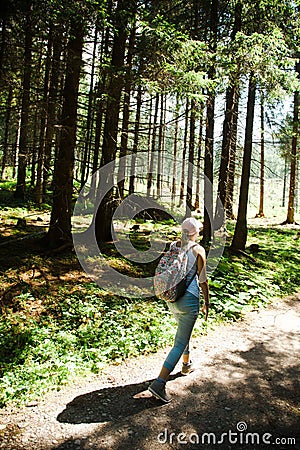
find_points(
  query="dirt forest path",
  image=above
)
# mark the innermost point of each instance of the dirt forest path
(244, 394)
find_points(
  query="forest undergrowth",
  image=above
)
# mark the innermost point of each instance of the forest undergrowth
(56, 324)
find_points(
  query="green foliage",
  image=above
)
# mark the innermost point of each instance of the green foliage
(83, 332)
(242, 283)
(285, 135)
(268, 57)
(48, 336)
(186, 69)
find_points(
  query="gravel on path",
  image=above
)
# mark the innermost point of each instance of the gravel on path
(244, 394)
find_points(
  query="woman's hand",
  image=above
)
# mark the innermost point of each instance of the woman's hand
(201, 266)
(205, 309)
(205, 292)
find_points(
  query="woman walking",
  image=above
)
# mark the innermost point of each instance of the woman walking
(186, 308)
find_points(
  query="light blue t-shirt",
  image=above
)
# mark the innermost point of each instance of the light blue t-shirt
(193, 287)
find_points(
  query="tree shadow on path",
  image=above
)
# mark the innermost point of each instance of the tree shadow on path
(251, 382)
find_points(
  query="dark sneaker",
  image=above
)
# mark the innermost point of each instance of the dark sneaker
(187, 368)
(158, 389)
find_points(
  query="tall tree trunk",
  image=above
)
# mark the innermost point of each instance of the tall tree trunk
(16, 145)
(52, 104)
(208, 171)
(228, 152)
(160, 149)
(209, 137)
(34, 147)
(136, 140)
(150, 133)
(6, 132)
(175, 148)
(227, 166)
(43, 125)
(124, 143)
(262, 157)
(3, 49)
(100, 107)
(189, 192)
(291, 202)
(182, 182)
(87, 143)
(125, 9)
(163, 142)
(228, 205)
(23, 145)
(152, 149)
(284, 181)
(199, 155)
(126, 115)
(60, 222)
(228, 130)
(98, 132)
(189, 188)
(297, 187)
(240, 232)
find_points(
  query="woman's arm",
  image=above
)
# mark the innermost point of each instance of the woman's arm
(205, 292)
(201, 266)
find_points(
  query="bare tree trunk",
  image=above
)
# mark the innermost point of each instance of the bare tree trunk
(126, 115)
(16, 145)
(189, 188)
(228, 205)
(208, 171)
(182, 182)
(262, 157)
(240, 232)
(136, 140)
(100, 108)
(6, 132)
(297, 187)
(175, 147)
(228, 130)
(23, 145)
(291, 202)
(43, 125)
(284, 181)
(33, 147)
(52, 103)
(209, 137)
(110, 132)
(160, 149)
(195, 35)
(227, 154)
(149, 135)
(199, 155)
(152, 150)
(163, 143)
(87, 143)
(60, 222)
(3, 49)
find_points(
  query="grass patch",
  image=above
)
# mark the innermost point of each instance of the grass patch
(56, 324)
(80, 334)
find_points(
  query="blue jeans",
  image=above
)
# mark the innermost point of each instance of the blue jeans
(185, 311)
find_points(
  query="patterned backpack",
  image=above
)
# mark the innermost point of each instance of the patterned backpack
(170, 281)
